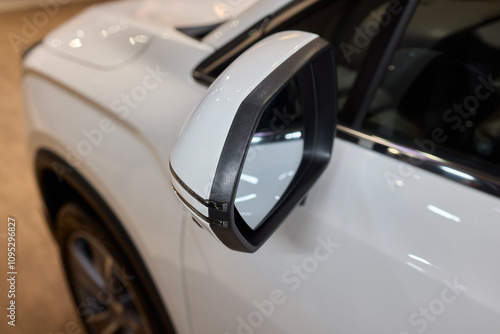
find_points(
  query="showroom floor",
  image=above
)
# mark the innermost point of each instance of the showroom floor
(43, 303)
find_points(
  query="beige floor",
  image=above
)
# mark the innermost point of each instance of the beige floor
(42, 297)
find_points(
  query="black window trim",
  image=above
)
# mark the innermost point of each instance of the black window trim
(377, 59)
(201, 72)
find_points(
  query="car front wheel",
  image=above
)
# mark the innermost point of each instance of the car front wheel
(105, 286)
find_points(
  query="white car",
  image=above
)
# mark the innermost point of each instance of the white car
(271, 167)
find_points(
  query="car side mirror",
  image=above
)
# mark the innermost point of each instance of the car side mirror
(259, 139)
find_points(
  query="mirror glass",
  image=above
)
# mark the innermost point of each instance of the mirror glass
(273, 158)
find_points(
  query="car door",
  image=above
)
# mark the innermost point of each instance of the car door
(400, 234)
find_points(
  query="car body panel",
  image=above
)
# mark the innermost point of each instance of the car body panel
(395, 244)
(120, 163)
(133, 94)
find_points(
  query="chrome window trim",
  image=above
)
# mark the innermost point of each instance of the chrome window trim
(456, 172)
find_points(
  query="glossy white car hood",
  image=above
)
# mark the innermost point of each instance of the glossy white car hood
(178, 13)
(112, 34)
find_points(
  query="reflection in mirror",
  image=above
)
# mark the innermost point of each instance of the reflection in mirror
(273, 158)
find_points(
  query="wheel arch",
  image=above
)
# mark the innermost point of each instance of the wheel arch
(59, 183)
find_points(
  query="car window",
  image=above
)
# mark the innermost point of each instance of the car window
(441, 91)
(350, 25)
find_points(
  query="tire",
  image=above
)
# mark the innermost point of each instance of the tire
(107, 289)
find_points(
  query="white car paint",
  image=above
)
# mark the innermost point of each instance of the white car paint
(392, 256)
(378, 247)
(196, 153)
